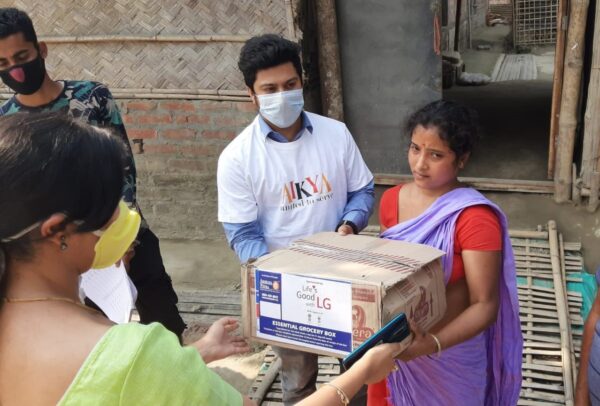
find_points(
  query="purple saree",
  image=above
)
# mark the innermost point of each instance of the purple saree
(486, 369)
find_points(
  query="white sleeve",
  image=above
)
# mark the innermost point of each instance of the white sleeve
(237, 203)
(357, 172)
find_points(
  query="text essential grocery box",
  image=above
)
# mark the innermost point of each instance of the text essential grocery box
(328, 293)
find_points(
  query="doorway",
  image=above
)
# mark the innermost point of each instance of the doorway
(511, 52)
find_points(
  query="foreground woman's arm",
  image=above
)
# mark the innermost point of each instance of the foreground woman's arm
(375, 365)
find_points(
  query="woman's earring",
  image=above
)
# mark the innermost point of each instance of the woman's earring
(63, 244)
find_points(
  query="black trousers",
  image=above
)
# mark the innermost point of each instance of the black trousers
(157, 300)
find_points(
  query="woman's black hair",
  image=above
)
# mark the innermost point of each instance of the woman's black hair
(50, 163)
(267, 51)
(456, 124)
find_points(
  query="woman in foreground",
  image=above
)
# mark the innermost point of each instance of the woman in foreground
(61, 214)
(473, 355)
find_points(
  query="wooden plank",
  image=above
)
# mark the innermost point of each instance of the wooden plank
(542, 338)
(202, 308)
(541, 235)
(547, 377)
(491, 184)
(537, 344)
(546, 386)
(543, 368)
(209, 296)
(526, 402)
(569, 246)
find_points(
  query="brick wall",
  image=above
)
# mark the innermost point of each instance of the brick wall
(176, 146)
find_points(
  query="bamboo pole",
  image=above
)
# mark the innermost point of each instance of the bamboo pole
(562, 312)
(457, 26)
(594, 191)
(469, 25)
(267, 381)
(538, 235)
(557, 83)
(591, 138)
(169, 94)
(564, 275)
(215, 92)
(567, 122)
(179, 97)
(289, 14)
(528, 357)
(79, 39)
(330, 71)
(563, 268)
(576, 190)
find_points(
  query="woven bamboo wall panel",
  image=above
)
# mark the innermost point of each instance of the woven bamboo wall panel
(149, 65)
(152, 17)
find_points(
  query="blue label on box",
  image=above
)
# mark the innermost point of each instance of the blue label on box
(305, 310)
(268, 287)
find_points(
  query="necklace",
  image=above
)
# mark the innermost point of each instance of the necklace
(50, 299)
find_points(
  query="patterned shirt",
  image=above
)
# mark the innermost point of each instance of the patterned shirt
(93, 103)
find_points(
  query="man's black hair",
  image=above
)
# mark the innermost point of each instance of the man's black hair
(267, 51)
(14, 21)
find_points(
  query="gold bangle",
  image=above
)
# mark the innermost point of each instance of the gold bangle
(438, 344)
(340, 392)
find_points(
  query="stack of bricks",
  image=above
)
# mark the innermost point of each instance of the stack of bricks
(176, 147)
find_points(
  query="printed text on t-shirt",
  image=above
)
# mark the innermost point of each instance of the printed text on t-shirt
(307, 191)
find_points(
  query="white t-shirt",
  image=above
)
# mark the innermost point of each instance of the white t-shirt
(294, 189)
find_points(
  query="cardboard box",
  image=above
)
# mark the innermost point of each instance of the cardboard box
(328, 293)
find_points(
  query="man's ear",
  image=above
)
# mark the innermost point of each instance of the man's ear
(53, 229)
(252, 96)
(43, 48)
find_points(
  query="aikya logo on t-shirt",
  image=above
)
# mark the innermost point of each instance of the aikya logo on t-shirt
(305, 192)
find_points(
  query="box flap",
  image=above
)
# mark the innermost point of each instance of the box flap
(353, 257)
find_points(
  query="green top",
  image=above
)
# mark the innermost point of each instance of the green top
(135, 364)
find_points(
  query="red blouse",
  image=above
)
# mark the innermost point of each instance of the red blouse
(477, 229)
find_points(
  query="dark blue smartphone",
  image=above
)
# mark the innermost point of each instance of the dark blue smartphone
(393, 332)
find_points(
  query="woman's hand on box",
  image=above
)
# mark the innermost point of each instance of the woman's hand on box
(422, 344)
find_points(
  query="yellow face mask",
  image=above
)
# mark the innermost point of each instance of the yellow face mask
(117, 238)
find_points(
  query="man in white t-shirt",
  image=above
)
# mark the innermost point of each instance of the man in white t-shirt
(288, 175)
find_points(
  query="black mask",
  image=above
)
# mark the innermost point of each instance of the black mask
(26, 78)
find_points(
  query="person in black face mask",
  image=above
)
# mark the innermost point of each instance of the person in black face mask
(22, 69)
(28, 77)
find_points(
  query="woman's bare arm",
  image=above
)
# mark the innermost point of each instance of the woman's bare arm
(482, 274)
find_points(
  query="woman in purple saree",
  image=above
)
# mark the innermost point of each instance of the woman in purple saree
(473, 355)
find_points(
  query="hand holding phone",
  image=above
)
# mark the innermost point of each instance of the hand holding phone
(393, 332)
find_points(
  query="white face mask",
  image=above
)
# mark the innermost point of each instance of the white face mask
(281, 109)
